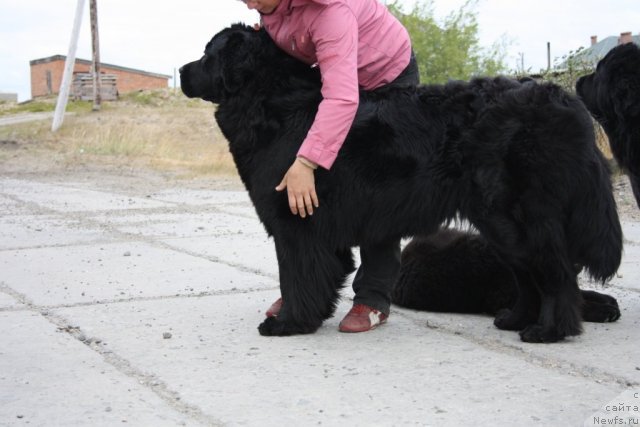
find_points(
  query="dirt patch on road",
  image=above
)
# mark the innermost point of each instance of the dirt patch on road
(32, 160)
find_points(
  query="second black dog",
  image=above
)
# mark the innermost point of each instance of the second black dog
(612, 95)
(458, 272)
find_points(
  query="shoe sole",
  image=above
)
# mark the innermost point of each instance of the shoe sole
(365, 330)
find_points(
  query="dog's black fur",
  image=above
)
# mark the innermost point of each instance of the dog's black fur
(454, 271)
(517, 160)
(457, 271)
(612, 95)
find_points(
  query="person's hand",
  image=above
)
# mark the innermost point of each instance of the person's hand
(301, 189)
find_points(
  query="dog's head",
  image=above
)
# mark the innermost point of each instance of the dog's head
(228, 61)
(614, 88)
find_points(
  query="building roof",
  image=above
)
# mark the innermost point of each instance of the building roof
(591, 55)
(102, 64)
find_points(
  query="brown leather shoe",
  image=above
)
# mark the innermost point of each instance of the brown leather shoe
(362, 318)
(274, 310)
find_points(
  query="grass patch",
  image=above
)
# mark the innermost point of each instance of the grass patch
(42, 105)
(159, 129)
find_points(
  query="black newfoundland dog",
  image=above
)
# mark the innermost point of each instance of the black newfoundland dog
(612, 95)
(457, 271)
(453, 271)
(517, 160)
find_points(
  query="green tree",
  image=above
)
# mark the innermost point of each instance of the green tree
(449, 50)
(572, 66)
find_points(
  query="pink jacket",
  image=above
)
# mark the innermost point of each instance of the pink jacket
(356, 43)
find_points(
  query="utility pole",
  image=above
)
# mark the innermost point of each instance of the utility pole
(521, 55)
(95, 44)
(63, 95)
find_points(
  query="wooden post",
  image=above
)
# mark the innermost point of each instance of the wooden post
(63, 95)
(548, 56)
(95, 43)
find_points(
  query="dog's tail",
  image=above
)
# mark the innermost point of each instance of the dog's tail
(595, 231)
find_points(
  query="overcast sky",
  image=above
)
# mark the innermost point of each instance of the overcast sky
(159, 36)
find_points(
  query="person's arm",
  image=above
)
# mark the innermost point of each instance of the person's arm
(335, 36)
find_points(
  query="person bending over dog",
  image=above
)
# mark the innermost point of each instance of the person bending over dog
(356, 44)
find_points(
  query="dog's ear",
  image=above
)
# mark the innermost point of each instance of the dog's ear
(236, 61)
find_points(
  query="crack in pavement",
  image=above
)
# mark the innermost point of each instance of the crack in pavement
(121, 364)
(495, 345)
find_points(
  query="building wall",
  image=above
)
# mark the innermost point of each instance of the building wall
(127, 81)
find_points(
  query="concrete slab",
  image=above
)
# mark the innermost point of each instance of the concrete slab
(47, 377)
(108, 272)
(241, 210)
(183, 224)
(201, 197)
(155, 323)
(68, 199)
(26, 231)
(629, 272)
(614, 354)
(7, 301)
(631, 231)
(250, 251)
(403, 373)
(9, 206)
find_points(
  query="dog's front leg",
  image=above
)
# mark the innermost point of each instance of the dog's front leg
(525, 310)
(310, 276)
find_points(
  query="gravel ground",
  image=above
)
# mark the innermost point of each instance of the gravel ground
(20, 159)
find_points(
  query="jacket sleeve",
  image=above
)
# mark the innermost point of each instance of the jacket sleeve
(335, 36)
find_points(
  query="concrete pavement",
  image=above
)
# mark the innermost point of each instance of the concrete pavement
(123, 308)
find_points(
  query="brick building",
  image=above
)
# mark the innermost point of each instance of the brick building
(46, 76)
(598, 49)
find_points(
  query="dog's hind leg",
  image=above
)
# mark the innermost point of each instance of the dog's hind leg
(560, 298)
(538, 256)
(310, 276)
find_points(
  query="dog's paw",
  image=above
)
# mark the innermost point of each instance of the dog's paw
(613, 313)
(507, 320)
(275, 327)
(538, 334)
(601, 313)
(608, 299)
(271, 327)
(599, 308)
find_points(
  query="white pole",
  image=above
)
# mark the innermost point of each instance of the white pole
(97, 84)
(63, 95)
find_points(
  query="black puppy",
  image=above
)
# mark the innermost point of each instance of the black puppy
(457, 271)
(517, 160)
(612, 95)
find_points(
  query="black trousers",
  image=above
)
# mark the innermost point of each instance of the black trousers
(380, 262)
